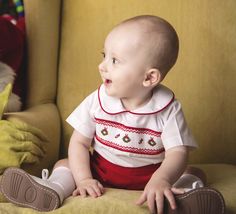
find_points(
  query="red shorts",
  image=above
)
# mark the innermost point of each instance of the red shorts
(112, 175)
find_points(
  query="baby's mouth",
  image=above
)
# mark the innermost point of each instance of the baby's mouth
(107, 81)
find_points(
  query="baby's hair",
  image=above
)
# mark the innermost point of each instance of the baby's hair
(164, 41)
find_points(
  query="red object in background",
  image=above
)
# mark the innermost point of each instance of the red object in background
(12, 48)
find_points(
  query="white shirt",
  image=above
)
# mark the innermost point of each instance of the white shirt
(132, 138)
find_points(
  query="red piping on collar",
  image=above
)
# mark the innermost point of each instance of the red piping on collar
(155, 112)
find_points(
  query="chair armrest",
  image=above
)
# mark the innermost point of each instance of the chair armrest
(46, 118)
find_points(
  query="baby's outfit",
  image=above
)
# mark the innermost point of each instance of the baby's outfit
(128, 147)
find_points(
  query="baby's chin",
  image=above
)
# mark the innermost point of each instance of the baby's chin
(109, 91)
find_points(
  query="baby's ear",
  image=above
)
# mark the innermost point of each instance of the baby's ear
(152, 78)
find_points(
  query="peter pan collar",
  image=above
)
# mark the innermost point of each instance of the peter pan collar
(162, 97)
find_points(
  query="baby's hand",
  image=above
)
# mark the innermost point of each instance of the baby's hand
(154, 194)
(90, 187)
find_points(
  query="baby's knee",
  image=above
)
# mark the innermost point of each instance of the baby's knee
(197, 172)
(62, 162)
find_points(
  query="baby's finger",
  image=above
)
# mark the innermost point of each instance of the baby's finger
(159, 204)
(170, 197)
(82, 192)
(75, 193)
(178, 191)
(97, 189)
(151, 202)
(91, 191)
(101, 187)
(141, 199)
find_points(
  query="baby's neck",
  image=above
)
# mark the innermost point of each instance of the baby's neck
(131, 104)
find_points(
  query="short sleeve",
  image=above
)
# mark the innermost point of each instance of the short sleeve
(82, 119)
(176, 131)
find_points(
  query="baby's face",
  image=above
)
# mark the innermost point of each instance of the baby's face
(125, 62)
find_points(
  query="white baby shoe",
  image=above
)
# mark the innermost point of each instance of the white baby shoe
(25, 190)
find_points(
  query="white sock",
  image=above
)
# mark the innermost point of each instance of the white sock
(62, 176)
(61, 180)
(188, 182)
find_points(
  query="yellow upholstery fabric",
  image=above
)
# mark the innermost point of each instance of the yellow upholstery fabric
(42, 23)
(65, 39)
(123, 201)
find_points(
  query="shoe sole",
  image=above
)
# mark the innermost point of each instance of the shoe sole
(198, 201)
(19, 188)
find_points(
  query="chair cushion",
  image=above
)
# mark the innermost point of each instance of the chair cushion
(220, 176)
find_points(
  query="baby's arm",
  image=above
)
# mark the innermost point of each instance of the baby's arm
(160, 184)
(79, 162)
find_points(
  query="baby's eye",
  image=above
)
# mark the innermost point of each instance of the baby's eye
(114, 61)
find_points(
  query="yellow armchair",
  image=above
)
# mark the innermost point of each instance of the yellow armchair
(64, 40)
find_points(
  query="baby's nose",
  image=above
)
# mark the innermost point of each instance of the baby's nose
(102, 67)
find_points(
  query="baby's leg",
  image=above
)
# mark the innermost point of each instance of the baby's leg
(62, 163)
(44, 194)
(195, 199)
(192, 178)
(62, 176)
(197, 172)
